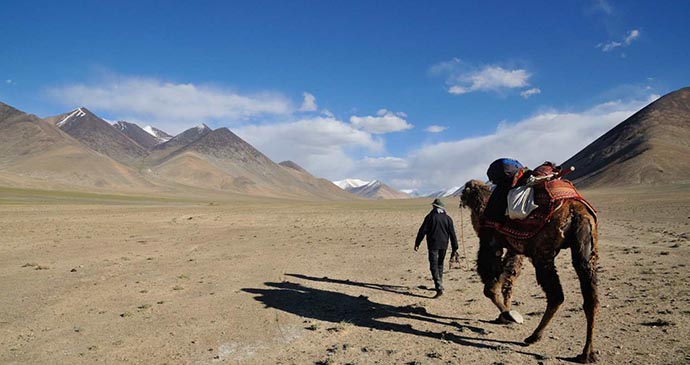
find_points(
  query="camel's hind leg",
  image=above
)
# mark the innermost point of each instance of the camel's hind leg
(584, 253)
(512, 267)
(489, 268)
(547, 277)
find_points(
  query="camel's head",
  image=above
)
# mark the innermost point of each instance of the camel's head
(475, 195)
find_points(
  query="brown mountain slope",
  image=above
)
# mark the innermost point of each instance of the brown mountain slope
(317, 186)
(292, 166)
(100, 136)
(222, 153)
(652, 147)
(35, 153)
(221, 160)
(137, 134)
(163, 151)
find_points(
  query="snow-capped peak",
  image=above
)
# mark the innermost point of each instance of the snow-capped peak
(410, 192)
(351, 183)
(77, 113)
(148, 129)
(201, 127)
(443, 193)
(373, 183)
(160, 135)
(450, 191)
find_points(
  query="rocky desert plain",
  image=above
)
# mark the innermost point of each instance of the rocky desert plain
(91, 279)
(193, 260)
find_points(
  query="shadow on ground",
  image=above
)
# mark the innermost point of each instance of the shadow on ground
(359, 311)
(397, 289)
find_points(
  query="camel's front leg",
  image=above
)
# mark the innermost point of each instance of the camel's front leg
(489, 268)
(512, 267)
(547, 277)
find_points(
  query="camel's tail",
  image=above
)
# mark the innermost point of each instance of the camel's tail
(585, 240)
(585, 244)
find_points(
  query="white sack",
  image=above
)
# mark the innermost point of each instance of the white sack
(520, 202)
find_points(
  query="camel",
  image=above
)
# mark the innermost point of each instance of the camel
(572, 226)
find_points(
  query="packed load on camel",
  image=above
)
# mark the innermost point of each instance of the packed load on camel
(515, 185)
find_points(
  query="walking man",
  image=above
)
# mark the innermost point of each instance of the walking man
(438, 228)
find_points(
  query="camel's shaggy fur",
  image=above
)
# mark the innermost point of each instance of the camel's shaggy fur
(571, 226)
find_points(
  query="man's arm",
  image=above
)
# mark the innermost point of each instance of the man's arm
(453, 238)
(421, 233)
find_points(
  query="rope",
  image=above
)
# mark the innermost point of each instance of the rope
(462, 240)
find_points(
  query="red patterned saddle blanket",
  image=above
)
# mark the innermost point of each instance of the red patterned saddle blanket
(548, 196)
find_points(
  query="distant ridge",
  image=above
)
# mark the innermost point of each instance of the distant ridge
(452, 192)
(651, 147)
(221, 160)
(350, 183)
(292, 165)
(377, 190)
(318, 186)
(166, 149)
(137, 134)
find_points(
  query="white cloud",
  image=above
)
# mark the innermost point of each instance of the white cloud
(322, 145)
(435, 129)
(463, 78)
(603, 6)
(385, 121)
(632, 35)
(388, 162)
(458, 90)
(610, 46)
(309, 103)
(533, 91)
(171, 106)
(626, 41)
(549, 135)
(9, 82)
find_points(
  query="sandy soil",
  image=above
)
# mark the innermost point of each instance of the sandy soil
(145, 281)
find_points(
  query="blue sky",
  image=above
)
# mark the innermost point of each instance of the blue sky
(418, 95)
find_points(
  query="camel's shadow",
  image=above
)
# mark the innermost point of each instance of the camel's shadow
(359, 311)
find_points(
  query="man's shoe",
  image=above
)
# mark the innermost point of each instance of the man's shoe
(438, 294)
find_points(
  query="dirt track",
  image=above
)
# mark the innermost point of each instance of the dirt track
(263, 282)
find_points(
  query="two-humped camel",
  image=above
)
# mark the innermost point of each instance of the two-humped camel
(572, 226)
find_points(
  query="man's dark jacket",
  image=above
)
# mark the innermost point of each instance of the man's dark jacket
(438, 228)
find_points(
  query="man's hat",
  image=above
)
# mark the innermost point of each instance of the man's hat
(438, 203)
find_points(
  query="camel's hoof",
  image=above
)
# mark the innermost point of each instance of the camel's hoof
(586, 358)
(513, 316)
(532, 339)
(502, 319)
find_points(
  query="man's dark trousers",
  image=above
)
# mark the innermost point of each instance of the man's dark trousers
(436, 258)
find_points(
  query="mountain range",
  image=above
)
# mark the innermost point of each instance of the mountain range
(369, 189)
(79, 149)
(374, 189)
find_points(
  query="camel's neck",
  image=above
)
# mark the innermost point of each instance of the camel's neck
(476, 212)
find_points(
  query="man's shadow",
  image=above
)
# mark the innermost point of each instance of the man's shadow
(337, 307)
(396, 289)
